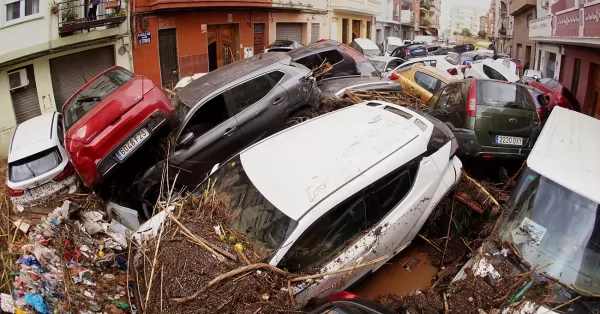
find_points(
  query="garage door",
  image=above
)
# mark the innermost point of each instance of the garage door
(289, 31)
(70, 72)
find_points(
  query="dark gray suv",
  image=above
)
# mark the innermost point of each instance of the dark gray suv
(229, 109)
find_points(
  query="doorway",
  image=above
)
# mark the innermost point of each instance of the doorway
(561, 74)
(167, 50)
(345, 26)
(355, 29)
(595, 86)
(221, 43)
(259, 37)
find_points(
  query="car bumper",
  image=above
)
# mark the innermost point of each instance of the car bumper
(469, 146)
(49, 190)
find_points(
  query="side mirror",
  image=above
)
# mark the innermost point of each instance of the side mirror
(186, 139)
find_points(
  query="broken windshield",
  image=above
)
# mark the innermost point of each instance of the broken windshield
(557, 229)
(252, 213)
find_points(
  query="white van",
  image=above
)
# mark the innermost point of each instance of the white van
(553, 215)
(365, 46)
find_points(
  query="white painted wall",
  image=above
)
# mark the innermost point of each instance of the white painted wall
(308, 4)
(387, 11)
(306, 19)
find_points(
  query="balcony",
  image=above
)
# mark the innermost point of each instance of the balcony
(519, 6)
(406, 17)
(425, 23)
(72, 16)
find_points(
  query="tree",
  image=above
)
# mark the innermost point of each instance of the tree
(455, 33)
(482, 34)
(466, 32)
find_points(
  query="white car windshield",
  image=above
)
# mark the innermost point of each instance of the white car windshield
(33, 166)
(554, 227)
(251, 213)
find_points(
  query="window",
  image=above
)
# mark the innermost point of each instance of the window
(379, 65)
(452, 59)
(576, 70)
(493, 74)
(331, 56)
(393, 64)
(439, 137)
(503, 95)
(94, 93)
(34, 165)
(551, 65)
(311, 61)
(529, 18)
(250, 92)
(426, 81)
(433, 101)
(451, 96)
(211, 114)
(21, 8)
(397, 10)
(432, 63)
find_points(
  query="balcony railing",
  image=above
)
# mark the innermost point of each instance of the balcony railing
(76, 15)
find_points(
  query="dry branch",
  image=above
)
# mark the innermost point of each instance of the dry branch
(484, 191)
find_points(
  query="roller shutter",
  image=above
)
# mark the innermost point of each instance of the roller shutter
(25, 99)
(70, 72)
(289, 31)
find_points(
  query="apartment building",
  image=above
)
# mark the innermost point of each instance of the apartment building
(523, 12)
(351, 19)
(387, 23)
(503, 26)
(461, 18)
(50, 49)
(567, 34)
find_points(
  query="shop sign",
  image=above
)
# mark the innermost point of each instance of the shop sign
(144, 38)
(591, 24)
(541, 27)
(567, 24)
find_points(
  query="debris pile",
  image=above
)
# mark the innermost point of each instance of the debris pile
(74, 261)
(395, 97)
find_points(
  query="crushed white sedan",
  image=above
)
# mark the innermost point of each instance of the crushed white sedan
(38, 165)
(345, 188)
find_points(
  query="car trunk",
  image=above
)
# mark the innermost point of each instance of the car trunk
(108, 98)
(506, 115)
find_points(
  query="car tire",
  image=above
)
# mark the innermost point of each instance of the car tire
(298, 117)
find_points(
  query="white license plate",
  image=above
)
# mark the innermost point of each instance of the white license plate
(509, 140)
(41, 190)
(132, 143)
(418, 51)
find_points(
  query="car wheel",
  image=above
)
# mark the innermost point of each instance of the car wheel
(298, 117)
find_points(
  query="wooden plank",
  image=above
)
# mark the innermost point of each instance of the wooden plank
(352, 96)
(465, 199)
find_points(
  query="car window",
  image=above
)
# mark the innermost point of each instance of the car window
(450, 97)
(327, 236)
(432, 63)
(393, 64)
(209, 115)
(433, 101)
(439, 137)
(453, 59)
(250, 92)
(311, 61)
(379, 65)
(332, 56)
(503, 95)
(60, 131)
(34, 165)
(493, 74)
(99, 88)
(426, 81)
(552, 83)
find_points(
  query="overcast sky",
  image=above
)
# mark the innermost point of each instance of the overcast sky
(448, 4)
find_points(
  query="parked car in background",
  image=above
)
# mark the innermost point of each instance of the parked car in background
(109, 118)
(463, 48)
(385, 64)
(38, 164)
(348, 303)
(410, 51)
(490, 69)
(335, 87)
(559, 94)
(483, 45)
(391, 43)
(231, 108)
(401, 163)
(344, 60)
(491, 119)
(443, 63)
(366, 47)
(431, 49)
(529, 75)
(283, 45)
(467, 58)
(509, 64)
(422, 81)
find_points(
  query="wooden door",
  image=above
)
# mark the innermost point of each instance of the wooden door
(595, 84)
(167, 50)
(355, 29)
(259, 37)
(345, 27)
(221, 44)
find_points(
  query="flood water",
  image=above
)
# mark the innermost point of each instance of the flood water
(395, 278)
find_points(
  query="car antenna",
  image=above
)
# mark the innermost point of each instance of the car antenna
(84, 79)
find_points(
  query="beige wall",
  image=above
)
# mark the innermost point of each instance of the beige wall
(305, 18)
(353, 17)
(41, 69)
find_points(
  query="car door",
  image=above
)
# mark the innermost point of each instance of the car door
(209, 135)
(259, 105)
(451, 105)
(506, 115)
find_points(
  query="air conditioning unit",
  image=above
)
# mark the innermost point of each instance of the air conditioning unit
(18, 79)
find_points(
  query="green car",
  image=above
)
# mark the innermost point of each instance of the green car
(490, 119)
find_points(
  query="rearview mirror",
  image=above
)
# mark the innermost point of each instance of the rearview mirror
(186, 139)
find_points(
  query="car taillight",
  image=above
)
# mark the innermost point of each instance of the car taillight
(343, 295)
(406, 50)
(12, 192)
(453, 71)
(67, 172)
(472, 100)
(560, 100)
(394, 76)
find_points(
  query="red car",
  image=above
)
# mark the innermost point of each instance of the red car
(109, 118)
(559, 94)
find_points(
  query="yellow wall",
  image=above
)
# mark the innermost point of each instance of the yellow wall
(371, 7)
(352, 17)
(43, 81)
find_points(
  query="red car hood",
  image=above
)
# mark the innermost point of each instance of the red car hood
(109, 110)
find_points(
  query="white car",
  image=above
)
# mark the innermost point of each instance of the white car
(490, 69)
(441, 62)
(38, 165)
(385, 64)
(345, 188)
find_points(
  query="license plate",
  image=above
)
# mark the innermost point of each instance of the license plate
(132, 143)
(417, 51)
(41, 190)
(509, 140)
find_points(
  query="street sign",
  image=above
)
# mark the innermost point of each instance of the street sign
(144, 38)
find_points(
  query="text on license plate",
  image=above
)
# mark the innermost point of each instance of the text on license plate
(418, 51)
(509, 140)
(132, 143)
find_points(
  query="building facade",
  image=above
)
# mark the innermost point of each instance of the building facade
(567, 34)
(523, 12)
(387, 22)
(503, 27)
(50, 49)
(352, 19)
(461, 18)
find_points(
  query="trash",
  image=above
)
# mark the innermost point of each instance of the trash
(484, 268)
(126, 216)
(23, 226)
(122, 305)
(7, 303)
(36, 301)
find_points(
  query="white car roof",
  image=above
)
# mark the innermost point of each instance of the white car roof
(568, 152)
(33, 136)
(366, 43)
(310, 161)
(395, 40)
(498, 66)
